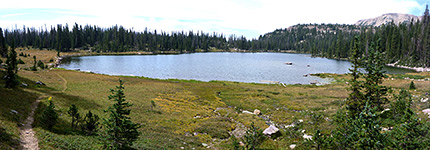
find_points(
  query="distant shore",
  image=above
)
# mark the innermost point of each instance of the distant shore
(417, 69)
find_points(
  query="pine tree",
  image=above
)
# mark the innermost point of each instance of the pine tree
(49, 116)
(373, 90)
(411, 132)
(412, 86)
(90, 123)
(3, 49)
(121, 132)
(362, 132)
(73, 112)
(34, 68)
(12, 69)
(355, 101)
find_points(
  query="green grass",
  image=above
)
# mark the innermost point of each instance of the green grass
(183, 107)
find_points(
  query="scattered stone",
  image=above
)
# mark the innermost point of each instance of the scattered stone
(300, 120)
(40, 83)
(195, 133)
(270, 130)
(257, 112)
(247, 112)
(426, 111)
(78, 69)
(387, 129)
(24, 85)
(423, 100)
(204, 144)
(292, 146)
(187, 134)
(291, 125)
(197, 117)
(241, 143)
(182, 147)
(308, 137)
(13, 111)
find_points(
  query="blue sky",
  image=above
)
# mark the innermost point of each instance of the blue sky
(241, 17)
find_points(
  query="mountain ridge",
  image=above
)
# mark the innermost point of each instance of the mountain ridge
(397, 18)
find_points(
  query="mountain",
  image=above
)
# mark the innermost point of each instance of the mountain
(387, 18)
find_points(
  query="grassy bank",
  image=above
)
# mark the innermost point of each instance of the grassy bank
(187, 113)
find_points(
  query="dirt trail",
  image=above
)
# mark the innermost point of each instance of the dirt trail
(65, 82)
(27, 135)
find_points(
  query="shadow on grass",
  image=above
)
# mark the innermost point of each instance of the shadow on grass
(62, 127)
(7, 141)
(19, 99)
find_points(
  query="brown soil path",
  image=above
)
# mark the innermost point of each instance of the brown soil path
(65, 82)
(27, 134)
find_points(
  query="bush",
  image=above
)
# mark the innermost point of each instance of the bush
(90, 123)
(73, 112)
(216, 127)
(412, 86)
(253, 137)
(49, 117)
(40, 64)
(20, 61)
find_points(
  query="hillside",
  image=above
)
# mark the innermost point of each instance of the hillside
(387, 18)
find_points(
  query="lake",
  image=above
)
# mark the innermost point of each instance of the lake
(240, 67)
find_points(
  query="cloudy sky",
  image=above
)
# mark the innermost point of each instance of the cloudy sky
(241, 17)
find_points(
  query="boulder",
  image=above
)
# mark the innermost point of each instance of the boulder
(292, 146)
(257, 112)
(247, 112)
(423, 100)
(308, 137)
(270, 130)
(40, 83)
(24, 85)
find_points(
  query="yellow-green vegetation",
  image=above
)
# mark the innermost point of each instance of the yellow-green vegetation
(186, 113)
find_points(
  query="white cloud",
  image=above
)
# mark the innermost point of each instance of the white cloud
(249, 17)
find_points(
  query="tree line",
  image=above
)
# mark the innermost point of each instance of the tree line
(405, 44)
(113, 39)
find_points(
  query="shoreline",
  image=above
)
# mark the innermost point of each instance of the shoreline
(417, 69)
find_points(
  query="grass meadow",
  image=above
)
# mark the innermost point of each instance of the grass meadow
(187, 112)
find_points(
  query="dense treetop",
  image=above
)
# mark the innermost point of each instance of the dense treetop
(404, 44)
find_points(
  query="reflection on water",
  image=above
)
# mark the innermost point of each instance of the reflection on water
(242, 67)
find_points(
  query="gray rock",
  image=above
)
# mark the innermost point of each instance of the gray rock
(40, 83)
(24, 85)
(270, 130)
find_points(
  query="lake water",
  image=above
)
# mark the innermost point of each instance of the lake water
(241, 67)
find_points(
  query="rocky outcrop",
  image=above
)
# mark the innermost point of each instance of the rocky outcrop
(387, 18)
